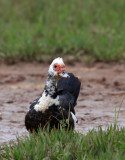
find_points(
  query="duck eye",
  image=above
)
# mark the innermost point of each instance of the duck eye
(55, 66)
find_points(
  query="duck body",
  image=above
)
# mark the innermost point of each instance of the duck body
(56, 105)
(55, 117)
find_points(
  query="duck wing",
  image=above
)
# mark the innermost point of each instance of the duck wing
(68, 91)
(34, 103)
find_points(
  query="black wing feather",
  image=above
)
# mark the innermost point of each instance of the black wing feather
(71, 85)
(68, 90)
(34, 103)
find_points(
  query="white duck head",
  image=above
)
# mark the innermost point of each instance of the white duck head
(57, 68)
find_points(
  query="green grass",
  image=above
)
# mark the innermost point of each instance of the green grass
(33, 29)
(103, 145)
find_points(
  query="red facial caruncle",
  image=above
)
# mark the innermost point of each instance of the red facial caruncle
(58, 68)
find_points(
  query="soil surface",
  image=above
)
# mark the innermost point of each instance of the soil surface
(103, 89)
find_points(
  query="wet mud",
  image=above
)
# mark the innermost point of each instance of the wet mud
(103, 89)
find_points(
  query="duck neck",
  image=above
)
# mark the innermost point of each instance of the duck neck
(51, 86)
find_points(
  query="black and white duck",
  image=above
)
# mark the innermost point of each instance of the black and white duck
(56, 105)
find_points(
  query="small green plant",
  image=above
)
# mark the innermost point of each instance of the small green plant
(65, 122)
(117, 114)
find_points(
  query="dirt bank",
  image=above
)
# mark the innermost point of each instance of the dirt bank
(103, 88)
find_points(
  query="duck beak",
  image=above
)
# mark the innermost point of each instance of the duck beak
(64, 74)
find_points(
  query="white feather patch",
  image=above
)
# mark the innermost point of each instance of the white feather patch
(45, 102)
(74, 118)
(58, 60)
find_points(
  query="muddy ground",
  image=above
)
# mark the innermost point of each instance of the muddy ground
(103, 88)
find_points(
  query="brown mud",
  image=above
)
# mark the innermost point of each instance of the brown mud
(103, 89)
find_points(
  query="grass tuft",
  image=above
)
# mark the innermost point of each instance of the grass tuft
(63, 144)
